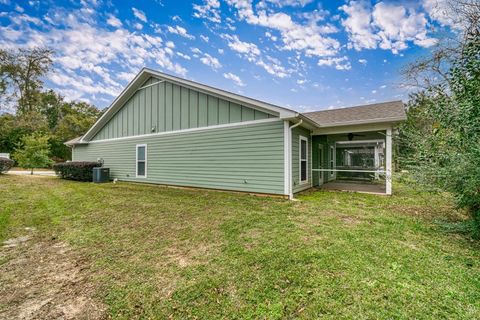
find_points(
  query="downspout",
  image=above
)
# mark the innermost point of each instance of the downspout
(290, 160)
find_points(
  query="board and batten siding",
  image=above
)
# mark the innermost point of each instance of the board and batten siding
(165, 107)
(244, 157)
(296, 133)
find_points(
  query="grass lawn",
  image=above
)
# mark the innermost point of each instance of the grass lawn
(155, 252)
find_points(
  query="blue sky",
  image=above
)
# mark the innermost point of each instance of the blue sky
(302, 54)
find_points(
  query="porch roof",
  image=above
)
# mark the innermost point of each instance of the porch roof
(392, 111)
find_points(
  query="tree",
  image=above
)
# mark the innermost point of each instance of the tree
(14, 127)
(441, 138)
(65, 120)
(21, 73)
(33, 152)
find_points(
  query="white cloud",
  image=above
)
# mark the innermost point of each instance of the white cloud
(180, 31)
(397, 26)
(383, 86)
(273, 67)
(374, 91)
(308, 38)
(204, 38)
(126, 76)
(358, 25)
(196, 50)
(210, 10)
(252, 53)
(91, 61)
(440, 11)
(387, 26)
(341, 63)
(211, 61)
(138, 26)
(234, 43)
(139, 14)
(362, 61)
(234, 78)
(290, 3)
(184, 56)
(114, 21)
(170, 44)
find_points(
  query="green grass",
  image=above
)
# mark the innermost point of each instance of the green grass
(160, 252)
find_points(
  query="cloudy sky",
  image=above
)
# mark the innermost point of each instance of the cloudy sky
(303, 54)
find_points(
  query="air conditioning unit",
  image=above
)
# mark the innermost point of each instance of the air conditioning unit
(101, 174)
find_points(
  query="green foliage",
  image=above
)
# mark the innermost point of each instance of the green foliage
(54, 116)
(76, 170)
(33, 152)
(35, 110)
(441, 138)
(21, 73)
(5, 164)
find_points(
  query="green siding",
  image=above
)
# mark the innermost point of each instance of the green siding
(296, 132)
(243, 158)
(169, 107)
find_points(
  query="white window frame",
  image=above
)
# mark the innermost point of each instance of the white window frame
(136, 160)
(300, 138)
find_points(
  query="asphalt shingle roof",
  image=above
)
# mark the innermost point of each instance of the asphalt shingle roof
(391, 111)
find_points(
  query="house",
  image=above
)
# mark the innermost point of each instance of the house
(167, 130)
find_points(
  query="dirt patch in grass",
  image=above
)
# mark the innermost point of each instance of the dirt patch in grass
(45, 279)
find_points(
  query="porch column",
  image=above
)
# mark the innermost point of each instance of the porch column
(388, 161)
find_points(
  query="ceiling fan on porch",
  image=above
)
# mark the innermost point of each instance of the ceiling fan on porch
(351, 135)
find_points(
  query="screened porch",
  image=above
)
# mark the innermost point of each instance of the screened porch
(353, 161)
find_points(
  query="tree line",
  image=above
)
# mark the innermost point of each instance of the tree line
(32, 117)
(440, 141)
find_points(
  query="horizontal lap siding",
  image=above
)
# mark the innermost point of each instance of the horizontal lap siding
(220, 158)
(167, 107)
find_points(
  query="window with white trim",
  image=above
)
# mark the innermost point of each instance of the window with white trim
(141, 161)
(303, 159)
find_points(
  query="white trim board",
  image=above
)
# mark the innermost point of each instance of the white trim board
(220, 126)
(300, 139)
(145, 161)
(286, 155)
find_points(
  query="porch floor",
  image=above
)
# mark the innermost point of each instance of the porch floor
(353, 186)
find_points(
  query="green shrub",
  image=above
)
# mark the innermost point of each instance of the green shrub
(5, 164)
(76, 170)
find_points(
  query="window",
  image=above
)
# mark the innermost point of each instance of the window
(141, 160)
(303, 159)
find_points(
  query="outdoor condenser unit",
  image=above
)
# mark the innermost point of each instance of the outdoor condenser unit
(101, 174)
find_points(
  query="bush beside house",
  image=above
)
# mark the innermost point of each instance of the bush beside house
(76, 170)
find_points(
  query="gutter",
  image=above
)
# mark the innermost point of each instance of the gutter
(290, 160)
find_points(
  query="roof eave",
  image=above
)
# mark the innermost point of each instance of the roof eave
(391, 120)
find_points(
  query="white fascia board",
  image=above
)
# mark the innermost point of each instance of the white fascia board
(353, 128)
(391, 120)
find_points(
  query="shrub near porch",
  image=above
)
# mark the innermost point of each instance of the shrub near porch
(158, 252)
